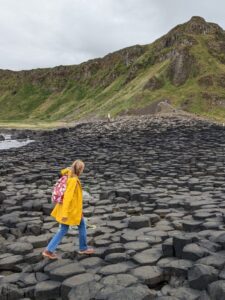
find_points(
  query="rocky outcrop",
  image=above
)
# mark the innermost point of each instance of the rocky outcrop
(181, 68)
(153, 83)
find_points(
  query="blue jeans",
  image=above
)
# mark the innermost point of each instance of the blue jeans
(63, 229)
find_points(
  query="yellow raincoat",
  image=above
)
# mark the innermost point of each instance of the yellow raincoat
(71, 208)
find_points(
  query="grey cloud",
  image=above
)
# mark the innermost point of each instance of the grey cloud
(45, 33)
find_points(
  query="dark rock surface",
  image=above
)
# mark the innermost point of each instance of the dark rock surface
(153, 187)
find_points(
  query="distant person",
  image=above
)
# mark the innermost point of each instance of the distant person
(69, 212)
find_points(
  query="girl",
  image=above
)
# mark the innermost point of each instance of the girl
(70, 212)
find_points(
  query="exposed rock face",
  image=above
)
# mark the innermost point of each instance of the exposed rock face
(206, 81)
(153, 83)
(198, 25)
(157, 201)
(181, 68)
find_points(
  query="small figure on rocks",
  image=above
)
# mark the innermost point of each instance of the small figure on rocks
(69, 212)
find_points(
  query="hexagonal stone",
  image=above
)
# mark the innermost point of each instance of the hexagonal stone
(4, 230)
(46, 290)
(137, 292)
(199, 276)
(137, 246)
(114, 248)
(167, 248)
(120, 215)
(148, 257)
(74, 282)
(128, 237)
(60, 273)
(10, 292)
(186, 293)
(170, 298)
(150, 275)
(91, 262)
(178, 267)
(209, 246)
(114, 258)
(164, 262)
(120, 279)
(179, 242)
(55, 264)
(221, 240)
(85, 291)
(151, 240)
(20, 248)
(158, 233)
(107, 290)
(37, 241)
(102, 243)
(137, 222)
(214, 260)
(217, 290)
(9, 262)
(193, 252)
(114, 269)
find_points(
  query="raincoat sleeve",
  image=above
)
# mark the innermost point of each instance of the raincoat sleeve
(68, 196)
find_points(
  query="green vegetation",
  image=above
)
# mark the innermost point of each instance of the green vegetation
(187, 62)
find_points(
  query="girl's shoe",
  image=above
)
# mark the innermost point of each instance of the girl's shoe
(49, 254)
(87, 251)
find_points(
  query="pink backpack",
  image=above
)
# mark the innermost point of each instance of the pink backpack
(59, 190)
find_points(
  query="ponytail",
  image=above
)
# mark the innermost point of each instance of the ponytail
(77, 167)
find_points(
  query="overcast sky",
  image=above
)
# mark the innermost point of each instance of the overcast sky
(46, 33)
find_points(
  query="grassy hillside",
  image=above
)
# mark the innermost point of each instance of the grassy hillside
(186, 66)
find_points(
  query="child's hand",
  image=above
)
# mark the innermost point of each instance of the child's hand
(64, 219)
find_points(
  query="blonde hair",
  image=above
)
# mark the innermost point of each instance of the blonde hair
(77, 167)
